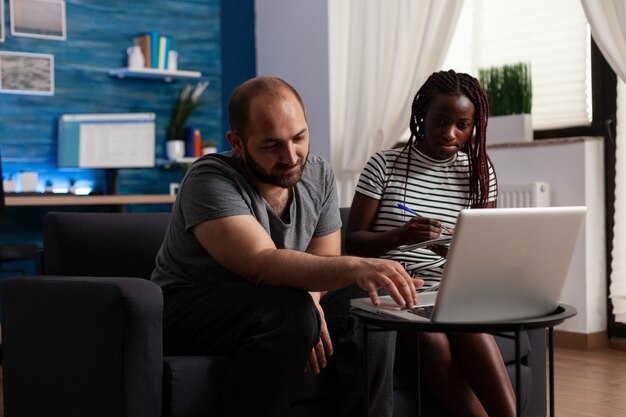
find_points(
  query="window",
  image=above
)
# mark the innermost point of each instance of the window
(552, 35)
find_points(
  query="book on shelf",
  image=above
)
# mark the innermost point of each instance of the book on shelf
(143, 41)
(154, 48)
(165, 43)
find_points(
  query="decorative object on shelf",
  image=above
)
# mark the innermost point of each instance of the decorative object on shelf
(8, 185)
(135, 57)
(193, 142)
(509, 90)
(48, 186)
(28, 181)
(175, 149)
(72, 188)
(172, 60)
(188, 101)
(209, 146)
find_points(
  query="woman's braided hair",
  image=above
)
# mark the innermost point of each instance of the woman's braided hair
(457, 84)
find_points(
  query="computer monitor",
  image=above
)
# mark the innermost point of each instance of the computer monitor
(113, 140)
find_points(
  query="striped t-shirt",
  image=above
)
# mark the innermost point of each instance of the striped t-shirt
(435, 189)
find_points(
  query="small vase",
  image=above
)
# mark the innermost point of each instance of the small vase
(209, 149)
(175, 149)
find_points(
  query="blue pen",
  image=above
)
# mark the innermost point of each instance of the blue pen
(405, 208)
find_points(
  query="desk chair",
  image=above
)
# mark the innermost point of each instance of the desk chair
(10, 252)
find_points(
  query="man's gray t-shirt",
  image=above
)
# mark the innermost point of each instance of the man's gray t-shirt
(217, 186)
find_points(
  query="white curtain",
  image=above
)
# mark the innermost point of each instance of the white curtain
(607, 19)
(381, 51)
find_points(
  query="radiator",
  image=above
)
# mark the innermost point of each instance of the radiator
(532, 194)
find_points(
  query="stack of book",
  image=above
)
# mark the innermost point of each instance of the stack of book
(155, 48)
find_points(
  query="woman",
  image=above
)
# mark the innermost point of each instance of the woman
(443, 169)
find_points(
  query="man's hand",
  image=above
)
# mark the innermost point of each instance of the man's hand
(373, 274)
(324, 346)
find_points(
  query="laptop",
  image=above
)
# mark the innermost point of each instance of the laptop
(503, 264)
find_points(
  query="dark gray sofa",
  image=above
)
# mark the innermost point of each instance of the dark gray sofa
(85, 339)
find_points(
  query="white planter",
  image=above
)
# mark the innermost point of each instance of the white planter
(175, 149)
(510, 129)
(209, 149)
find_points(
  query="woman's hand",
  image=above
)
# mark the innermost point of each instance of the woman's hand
(441, 250)
(420, 229)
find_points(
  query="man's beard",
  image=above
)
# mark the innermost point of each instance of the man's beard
(275, 175)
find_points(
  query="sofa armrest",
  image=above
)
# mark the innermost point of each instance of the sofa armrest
(81, 346)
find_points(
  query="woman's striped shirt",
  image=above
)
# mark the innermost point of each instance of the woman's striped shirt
(435, 189)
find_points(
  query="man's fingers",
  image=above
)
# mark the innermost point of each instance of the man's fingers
(419, 283)
(328, 344)
(313, 362)
(393, 292)
(406, 287)
(317, 358)
(373, 293)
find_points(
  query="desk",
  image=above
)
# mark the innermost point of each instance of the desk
(562, 312)
(91, 200)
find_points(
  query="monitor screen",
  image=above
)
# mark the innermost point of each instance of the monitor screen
(112, 140)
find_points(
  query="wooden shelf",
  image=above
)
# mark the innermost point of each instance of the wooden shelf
(154, 73)
(76, 200)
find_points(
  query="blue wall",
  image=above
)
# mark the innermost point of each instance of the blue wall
(238, 48)
(215, 37)
(98, 34)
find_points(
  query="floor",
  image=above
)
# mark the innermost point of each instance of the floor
(587, 384)
(590, 384)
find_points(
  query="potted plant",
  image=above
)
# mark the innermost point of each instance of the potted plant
(509, 91)
(72, 188)
(188, 100)
(209, 146)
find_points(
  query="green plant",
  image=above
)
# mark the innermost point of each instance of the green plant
(187, 102)
(508, 88)
(209, 143)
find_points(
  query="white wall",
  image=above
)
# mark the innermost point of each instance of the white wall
(575, 171)
(292, 43)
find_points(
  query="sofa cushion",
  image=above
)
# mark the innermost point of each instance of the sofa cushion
(191, 385)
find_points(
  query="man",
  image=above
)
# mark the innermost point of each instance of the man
(252, 231)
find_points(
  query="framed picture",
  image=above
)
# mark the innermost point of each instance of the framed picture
(1, 21)
(44, 19)
(26, 73)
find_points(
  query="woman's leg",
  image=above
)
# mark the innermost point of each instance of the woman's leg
(482, 366)
(440, 371)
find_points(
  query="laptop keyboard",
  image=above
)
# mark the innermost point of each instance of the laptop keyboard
(423, 311)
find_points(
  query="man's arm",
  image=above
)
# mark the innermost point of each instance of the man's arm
(240, 244)
(329, 245)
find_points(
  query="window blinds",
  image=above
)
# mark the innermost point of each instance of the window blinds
(552, 35)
